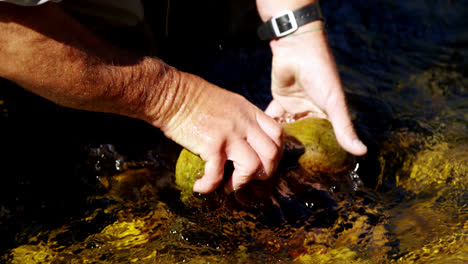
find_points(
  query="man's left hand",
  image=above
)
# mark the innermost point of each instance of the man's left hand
(305, 79)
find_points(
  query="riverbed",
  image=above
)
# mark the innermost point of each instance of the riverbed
(93, 188)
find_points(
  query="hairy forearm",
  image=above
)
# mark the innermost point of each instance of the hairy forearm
(47, 52)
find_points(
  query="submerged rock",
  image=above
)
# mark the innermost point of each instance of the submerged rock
(440, 167)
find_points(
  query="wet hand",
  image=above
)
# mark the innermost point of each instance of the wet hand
(219, 125)
(305, 79)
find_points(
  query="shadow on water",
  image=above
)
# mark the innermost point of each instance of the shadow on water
(93, 187)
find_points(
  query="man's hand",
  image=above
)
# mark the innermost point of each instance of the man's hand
(304, 76)
(49, 53)
(220, 125)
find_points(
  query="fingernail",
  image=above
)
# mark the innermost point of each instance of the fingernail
(359, 145)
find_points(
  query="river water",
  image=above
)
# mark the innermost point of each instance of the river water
(91, 188)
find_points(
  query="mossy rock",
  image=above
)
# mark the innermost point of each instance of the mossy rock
(322, 153)
(189, 169)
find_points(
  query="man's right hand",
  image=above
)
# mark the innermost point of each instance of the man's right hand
(61, 60)
(220, 125)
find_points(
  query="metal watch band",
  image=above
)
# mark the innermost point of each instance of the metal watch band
(288, 21)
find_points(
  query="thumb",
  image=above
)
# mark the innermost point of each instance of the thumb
(214, 172)
(344, 129)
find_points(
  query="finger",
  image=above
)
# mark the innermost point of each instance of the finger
(214, 172)
(268, 144)
(268, 153)
(344, 130)
(271, 128)
(246, 163)
(274, 109)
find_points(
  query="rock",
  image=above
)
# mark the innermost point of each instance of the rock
(189, 168)
(322, 151)
(439, 167)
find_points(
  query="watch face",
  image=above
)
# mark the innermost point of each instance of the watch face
(284, 24)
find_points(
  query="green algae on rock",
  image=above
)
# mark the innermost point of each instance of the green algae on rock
(189, 168)
(322, 151)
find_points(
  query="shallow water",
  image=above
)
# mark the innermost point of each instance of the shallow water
(403, 65)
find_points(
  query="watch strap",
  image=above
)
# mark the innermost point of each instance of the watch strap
(287, 22)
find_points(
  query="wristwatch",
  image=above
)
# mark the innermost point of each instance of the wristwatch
(288, 21)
